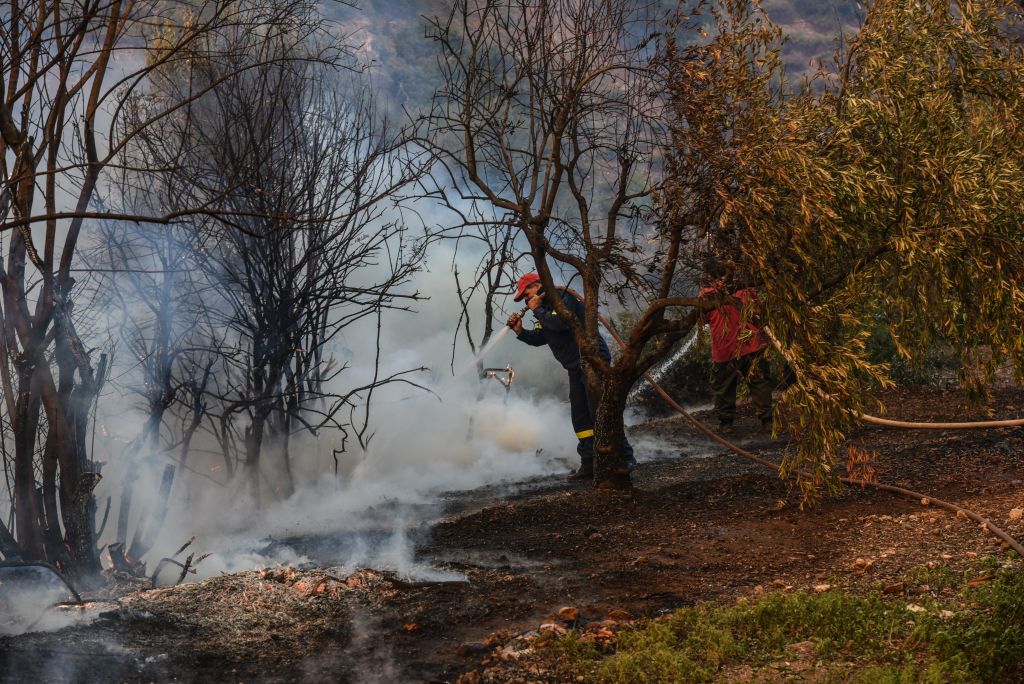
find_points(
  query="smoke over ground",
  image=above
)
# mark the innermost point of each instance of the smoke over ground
(365, 507)
(363, 516)
(28, 594)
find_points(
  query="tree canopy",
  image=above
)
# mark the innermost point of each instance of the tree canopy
(889, 186)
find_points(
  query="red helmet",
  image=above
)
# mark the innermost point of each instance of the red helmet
(525, 282)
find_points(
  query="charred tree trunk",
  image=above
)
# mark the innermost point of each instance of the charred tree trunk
(198, 407)
(127, 494)
(291, 408)
(8, 545)
(144, 446)
(26, 424)
(50, 517)
(254, 434)
(610, 471)
(148, 527)
(71, 406)
(226, 439)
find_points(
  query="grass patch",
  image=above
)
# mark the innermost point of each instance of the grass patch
(868, 639)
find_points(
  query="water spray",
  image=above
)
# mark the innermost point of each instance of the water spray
(491, 344)
(503, 375)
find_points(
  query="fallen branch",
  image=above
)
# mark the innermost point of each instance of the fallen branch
(188, 567)
(184, 546)
(48, 566)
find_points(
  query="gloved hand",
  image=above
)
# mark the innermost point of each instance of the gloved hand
(515, 321)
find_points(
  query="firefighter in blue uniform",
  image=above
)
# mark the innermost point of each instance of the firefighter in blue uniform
(557, 335)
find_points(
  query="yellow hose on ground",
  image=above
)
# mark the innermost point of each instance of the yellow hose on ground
(970, 425)
(915, 425)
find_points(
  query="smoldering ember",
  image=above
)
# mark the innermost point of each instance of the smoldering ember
(512, 341)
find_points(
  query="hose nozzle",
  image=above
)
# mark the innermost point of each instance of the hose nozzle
(518, 315)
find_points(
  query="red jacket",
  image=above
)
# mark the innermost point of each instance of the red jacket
(725, 328)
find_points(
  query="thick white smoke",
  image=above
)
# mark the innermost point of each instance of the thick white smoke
(458, 436)
(29, 595)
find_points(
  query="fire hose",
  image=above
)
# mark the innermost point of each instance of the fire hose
(970, 425)
(739, 451)
(915, 425)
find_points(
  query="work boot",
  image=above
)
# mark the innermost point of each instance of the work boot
(583, 473)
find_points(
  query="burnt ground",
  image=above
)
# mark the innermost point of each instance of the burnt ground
(700, 524)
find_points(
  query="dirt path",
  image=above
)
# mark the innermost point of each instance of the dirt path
(696, 527)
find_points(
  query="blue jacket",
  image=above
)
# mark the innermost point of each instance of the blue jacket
(551, 330)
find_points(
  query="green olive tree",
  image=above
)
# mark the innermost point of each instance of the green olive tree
(889, 183)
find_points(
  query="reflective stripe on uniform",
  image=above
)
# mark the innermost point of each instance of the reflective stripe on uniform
(583, 434)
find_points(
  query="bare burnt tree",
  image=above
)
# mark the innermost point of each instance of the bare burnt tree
(307, 251)
(549, 112)
(149, 295)
(8, 544)
(63, 99)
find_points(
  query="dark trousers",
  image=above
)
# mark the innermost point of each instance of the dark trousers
(582, 406)
(725, 378)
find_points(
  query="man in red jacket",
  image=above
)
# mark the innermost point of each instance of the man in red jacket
(737, 351)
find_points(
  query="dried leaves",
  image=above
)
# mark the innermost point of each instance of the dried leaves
(860, 465)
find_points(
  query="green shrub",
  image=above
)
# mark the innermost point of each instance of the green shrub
(930, 369)
(865, 639)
